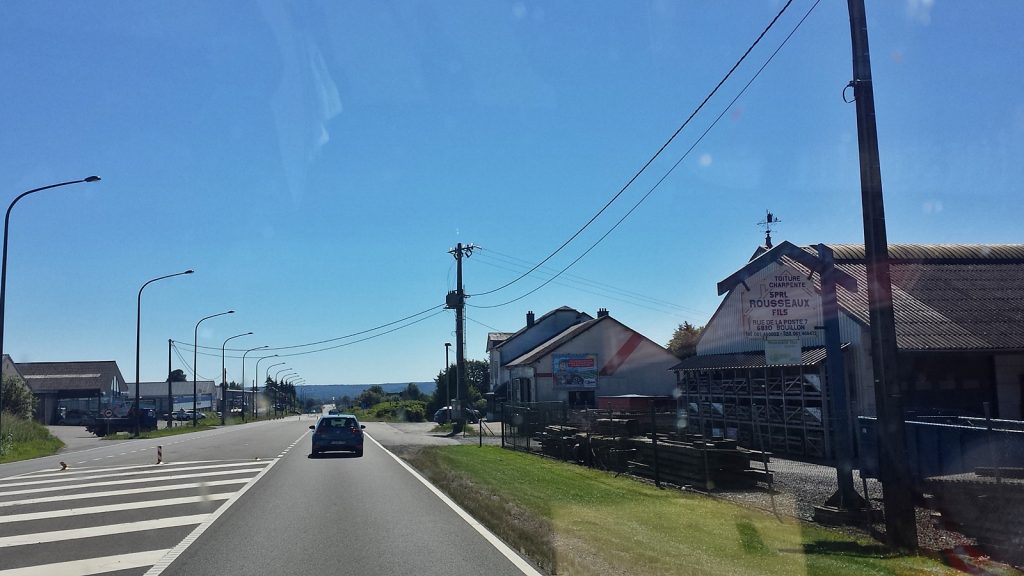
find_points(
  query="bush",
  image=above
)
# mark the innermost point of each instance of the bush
(404, 411)
(17, 398)
(21, 438)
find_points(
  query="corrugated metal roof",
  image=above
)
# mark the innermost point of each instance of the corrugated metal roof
(945, 297)
(69, 376)
(808, 357)
(941, 252)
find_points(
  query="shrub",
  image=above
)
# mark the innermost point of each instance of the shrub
(17, 398)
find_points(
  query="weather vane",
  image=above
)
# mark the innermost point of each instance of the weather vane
(768, 221)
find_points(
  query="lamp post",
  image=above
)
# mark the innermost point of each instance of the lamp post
(138, 338)
(3, 266)
(255, 403)
(195, 368)
(224, 381)
(268, 377)
(244, 406)
(447, 378)
(277, 387)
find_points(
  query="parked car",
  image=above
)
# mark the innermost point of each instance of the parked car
(443, 415)
(341, 432)
(77, 418)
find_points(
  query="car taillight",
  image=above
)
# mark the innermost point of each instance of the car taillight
(355, 430)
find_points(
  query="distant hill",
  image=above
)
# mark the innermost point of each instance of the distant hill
(324, 392)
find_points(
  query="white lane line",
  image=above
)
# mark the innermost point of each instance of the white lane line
(153, 469)
(173, 554)
(90, 566)
(113, 508)
(90, 469)
(503, 548)
(127, 492)
(129, 481)
(107, 530)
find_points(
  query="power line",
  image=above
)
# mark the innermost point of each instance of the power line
(673, 167)
(375, 328)
(625, 296)
(651, 159)
(305, 352)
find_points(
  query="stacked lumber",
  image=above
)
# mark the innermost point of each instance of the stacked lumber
(705, 464)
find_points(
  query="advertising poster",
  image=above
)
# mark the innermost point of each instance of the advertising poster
(574, 371)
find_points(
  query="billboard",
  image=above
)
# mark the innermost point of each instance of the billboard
(574, 371)
(784, 304)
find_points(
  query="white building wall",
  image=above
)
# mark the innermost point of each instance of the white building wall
(645, 371)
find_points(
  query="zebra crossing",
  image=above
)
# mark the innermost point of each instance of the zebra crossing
(123, 519)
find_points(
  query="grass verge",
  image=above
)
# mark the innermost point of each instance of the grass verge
(22, 439)
(575, 520)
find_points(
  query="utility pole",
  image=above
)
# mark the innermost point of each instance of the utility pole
(170, 393)
(457, 300)
(898, 494)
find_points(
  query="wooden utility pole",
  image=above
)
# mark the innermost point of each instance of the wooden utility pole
(898, 495)
(457, 300)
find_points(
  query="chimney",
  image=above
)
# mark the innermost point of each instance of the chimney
(602, 312)
(529, 318)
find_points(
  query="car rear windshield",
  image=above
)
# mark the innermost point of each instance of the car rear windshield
(338, 423)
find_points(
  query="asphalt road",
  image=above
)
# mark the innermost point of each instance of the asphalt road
(240, 500)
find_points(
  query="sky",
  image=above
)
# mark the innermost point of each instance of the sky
(314, 162)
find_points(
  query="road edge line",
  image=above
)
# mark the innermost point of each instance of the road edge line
(518, 561)
(175, 552)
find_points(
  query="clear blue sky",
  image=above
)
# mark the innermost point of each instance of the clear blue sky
(314, 162)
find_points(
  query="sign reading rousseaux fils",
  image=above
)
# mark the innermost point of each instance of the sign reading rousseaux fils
(782, 303)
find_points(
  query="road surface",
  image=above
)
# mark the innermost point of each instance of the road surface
(238, 500)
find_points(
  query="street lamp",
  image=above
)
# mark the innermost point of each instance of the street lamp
(277, 387)
(224, 381)
(195, 367)
(268, 375)
(138, 337)
(3, 266)
(255, 403)
(447, 379)
(243, 379)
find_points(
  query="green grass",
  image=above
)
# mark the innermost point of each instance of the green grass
(22, 439)
(185, 427)
(575, 520)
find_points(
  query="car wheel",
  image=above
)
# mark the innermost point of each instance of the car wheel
(315, 453)
(359, 453)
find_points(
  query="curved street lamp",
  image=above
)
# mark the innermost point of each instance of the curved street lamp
(255, 403)
(195, 368)
(277, 386)
(138, 338)
(275, 376)
(224, 381)
(244, 405)
(3, 266)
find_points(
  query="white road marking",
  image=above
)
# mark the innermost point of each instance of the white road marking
(113, 508)
(90, 469)
(128, 481)
(152, 469)
(172, 555)
(127, 492)
(503, 548)
(90, 565)
(106, 530)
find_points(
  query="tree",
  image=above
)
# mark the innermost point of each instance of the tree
(178, 375)
(18, 398)
(234, 385)
(371, 396)
(478, 383)
(412, 392)
(684, 340)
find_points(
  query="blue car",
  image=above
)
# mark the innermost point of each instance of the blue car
(338, 432)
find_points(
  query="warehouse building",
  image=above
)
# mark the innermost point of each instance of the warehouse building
(759, 374)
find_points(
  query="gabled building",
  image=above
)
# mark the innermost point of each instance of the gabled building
(959, 313)
(86, 386)
(596, 357)
(536, 331)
